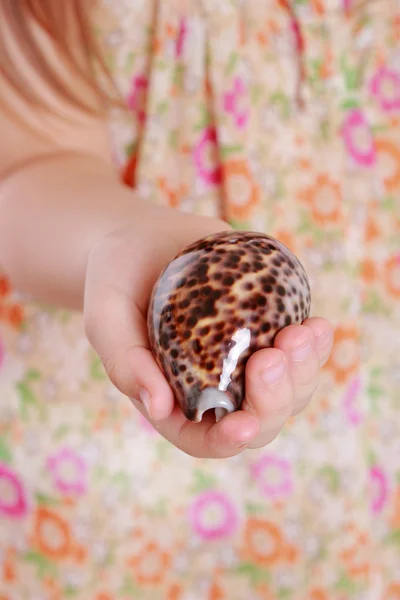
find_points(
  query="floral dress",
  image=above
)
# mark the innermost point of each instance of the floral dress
(281, 116)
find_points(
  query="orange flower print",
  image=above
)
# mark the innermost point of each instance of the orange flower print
(10, 312)
(52, 535)
(317, 594)
(392, 275)
(151, 565)
(369, 271)
(344, 359)
(395, 519)
(393, 592)
(372, 232)
(263, 542)
(388, 163)
(353, 556)
(9, 566)
(242, 192)
(216, 592)
(173, 195)
(324, 199)
(175, 592)
(286, 238)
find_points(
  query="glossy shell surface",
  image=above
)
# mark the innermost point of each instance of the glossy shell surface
(220, 300)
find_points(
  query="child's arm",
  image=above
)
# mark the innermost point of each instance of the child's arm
(70, 232)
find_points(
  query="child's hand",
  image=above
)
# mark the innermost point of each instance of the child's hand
(121, 272)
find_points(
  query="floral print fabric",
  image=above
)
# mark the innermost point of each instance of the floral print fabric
(281, 117)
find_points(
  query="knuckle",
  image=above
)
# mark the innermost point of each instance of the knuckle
(278, 414)
(112, 370)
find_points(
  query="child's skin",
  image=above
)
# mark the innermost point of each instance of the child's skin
(72, 235)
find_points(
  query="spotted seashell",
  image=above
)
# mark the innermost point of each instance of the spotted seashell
(219, 301)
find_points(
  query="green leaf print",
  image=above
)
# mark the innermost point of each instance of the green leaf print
(205, 119)
(130, 61)
(352, 76)
(43, 500)
(285, 593)
(350, 103)
(163, 450)
(373, 303)
(375, 391)
(238, 225)
(345, 584)
(44, 566)
(379, 128)
(394, 538)
(226, 151)
(203, 481)
(33, 375)
(162, 108)
(70, 591)
(28, 400)
(61, 431)
(129, 589)
(97, 371)
(179, 76)
(372, 458)
(255, 509)
(256, 94)
(283, 102)
(230, 67)
(130, 149)
(376, 372)
(159, 509)
(173, 139)
(256, 574)
(122, 480)
(331, 476)
(388, 203)
(5, 452)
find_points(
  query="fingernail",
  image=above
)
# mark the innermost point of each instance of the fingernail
(145, 400)
(274, 374)
(301, 353)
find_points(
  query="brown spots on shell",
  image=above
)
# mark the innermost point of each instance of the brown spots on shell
(212, 290)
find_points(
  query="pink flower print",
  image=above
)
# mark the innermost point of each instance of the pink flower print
(385, 87)
(69, 472)
(146, 426)
(380, 489)
(232, 103)
(354, 416)
(182, 36)
(347, 5)
(206, 158)
(137, 97)
(358, 138)
(274, 476)
(213, 516)
(12, 496)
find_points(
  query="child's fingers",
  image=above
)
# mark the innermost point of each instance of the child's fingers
(269, 394)
(207, 439)
(298, 343)
(323, 333)
(117, 331)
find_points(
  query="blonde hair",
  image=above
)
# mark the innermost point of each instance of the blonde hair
(58, 20)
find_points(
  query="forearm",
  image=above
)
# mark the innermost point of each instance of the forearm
(51, 214)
